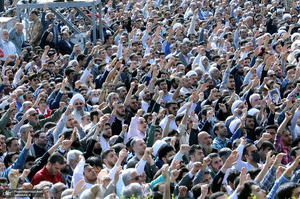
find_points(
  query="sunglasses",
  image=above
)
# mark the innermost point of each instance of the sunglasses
(35, 80)
(80, 103)
(34, 114)
(136, 178)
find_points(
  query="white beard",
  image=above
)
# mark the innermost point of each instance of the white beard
(77, 115)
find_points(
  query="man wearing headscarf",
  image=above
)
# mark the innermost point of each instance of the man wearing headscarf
(78, 103)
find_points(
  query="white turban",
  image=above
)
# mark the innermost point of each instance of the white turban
(233, 125)
(157, 146)
(76, 97)
(235, 104)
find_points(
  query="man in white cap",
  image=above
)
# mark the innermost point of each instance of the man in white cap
(78, 103)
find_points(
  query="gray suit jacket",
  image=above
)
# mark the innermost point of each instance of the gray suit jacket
(182, 59)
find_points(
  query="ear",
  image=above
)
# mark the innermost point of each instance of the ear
(164, 160)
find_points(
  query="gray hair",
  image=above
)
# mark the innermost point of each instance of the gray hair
(134, 189)
(110, 95)
(54, 189)
(24, 128)
(126, 175)
(252, 96)
(72, 155)
(67, 192)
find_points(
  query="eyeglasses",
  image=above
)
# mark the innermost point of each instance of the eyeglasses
(35, 80)
(80, 103)
(34, 114)
(133, 102)
(120, 107)
(136, 178)
(272, 75)
(174, 108)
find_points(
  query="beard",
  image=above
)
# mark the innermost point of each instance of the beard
(76, 144)
(65, 170)
(106, 136)
(240, 73)
(97, 151)
(77, 114)
(121, 114)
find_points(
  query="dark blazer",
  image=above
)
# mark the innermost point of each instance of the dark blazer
(54, 30)
(182, 59)
(64, 48)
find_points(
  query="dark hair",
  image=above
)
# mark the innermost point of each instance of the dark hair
(267, 144)
(272, 127)
(118, 147)
(193, 149)
(8, 157)
(216, 195)
(225, 152)
(49, 125)
(105, 152)
(253, 172)
(27, 93)
(213, 155)
(293, 151)
(285, 190)
(56, 157)
(245, 191)
(3, 180)
(232, 175)
(94, 161)
(296, 142)
(37, 134)
(179, 117)
(9, 140)
(80, 57)
(197, 190)
(245, 151)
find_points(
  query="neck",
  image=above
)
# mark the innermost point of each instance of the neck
(119, 116)
(222, 137)
(253, 163)
(138, 156)
(34, 86)
(90, 182)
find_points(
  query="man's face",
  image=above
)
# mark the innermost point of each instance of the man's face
(120, 109)
(42, 140)
(70, 120)
(33, 117)
(135, 178)
(278, 72)
(250, 123)
(60, 188)
(205, 139)
(258, 192)
(273, 133)
(134, 105)
(287, 138)
(78, 104)
(173, 109)
(207, 178)
(28, 164)
(231, 84)
(113, 99)
(29, 130)
(186, 82)
(14, 146)
(250, 150)
(255, 100)
(111, 159)
(29, 97)
(140, 146)
(142, 126)
(198, 156)
(183, 49)
(216, 164)
(89, 174)
(107, 132)
(163, 86)
(193, 80)
(86, 121)
(222, 130)
(5, 36)
(147, 96)
(54, 168)
(13, 159)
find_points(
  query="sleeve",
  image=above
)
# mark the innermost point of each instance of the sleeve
(78, 173)
(239, 161)
(199, 177)
(217, 182)
(266, 183)
(150, 138)
(59, 127)
(282, 179)
(133, 127)
(3, 121)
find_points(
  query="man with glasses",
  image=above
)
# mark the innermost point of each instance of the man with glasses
(57, 189)
(33, 82)
(24, 131)
(78, 103)
(37, 124)
(37, 148)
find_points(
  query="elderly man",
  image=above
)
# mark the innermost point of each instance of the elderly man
(78, 103)
(8, 48)
(57, 189)
(16, 36)
(35, 29)
(37, 124)
(24, 131)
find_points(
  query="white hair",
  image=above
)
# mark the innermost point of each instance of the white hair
(252, 96)
(134, 189)
(72, 155)
(126, 175)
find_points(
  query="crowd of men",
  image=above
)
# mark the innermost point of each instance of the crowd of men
(174, 99)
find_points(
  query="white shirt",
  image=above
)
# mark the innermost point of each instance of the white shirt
(173, 125)
(8, 48)
(145, 106)
(103, 142)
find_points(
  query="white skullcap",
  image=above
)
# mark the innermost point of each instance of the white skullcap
(64, 28)
(294, 35)
(234, 124)
(176, 26)
(157, 146)
(77, 96)
(253, 111)
(286, 16)
(73, 61)
(235, 104)
(190, 73)
(281, 31)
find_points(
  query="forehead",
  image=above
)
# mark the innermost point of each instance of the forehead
(78, 100)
